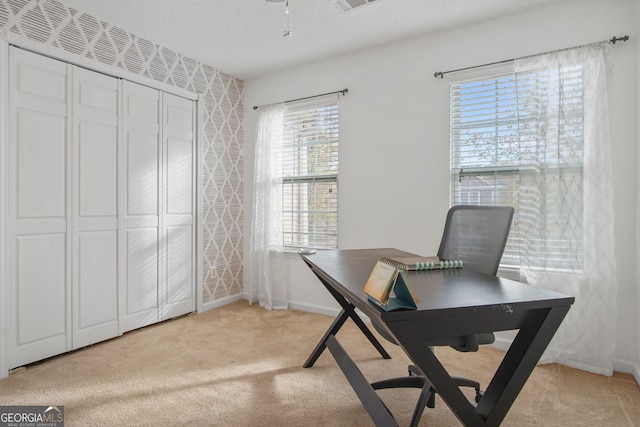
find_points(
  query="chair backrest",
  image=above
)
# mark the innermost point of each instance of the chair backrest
(476, 235)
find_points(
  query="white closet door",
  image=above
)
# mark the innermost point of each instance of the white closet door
(38, 210)
(141, 175)
(177, 292)
(95, 249)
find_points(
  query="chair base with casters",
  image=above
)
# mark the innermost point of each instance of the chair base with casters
(427, 396)
(416, 378)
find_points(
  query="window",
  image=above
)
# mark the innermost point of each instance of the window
(310, 174)
(517, 139)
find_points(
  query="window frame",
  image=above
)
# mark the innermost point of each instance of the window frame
(306, 226)
(458, 172)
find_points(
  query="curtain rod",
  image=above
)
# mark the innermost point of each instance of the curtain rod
(441, 74)
(343, 92)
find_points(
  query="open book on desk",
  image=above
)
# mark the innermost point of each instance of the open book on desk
(389, 288)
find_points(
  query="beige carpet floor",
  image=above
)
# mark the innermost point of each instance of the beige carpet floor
(241, 365)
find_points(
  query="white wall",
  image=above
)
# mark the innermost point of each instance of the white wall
(394, 129)
(636, 300)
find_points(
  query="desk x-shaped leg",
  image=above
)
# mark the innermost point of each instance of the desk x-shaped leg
(537, 327)
(348, 311)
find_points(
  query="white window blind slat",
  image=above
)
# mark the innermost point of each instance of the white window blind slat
(310, 173)
(502, 134)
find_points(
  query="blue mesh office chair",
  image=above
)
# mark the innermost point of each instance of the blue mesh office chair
(477, 235)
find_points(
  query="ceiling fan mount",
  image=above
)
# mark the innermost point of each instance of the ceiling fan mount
(345, 5)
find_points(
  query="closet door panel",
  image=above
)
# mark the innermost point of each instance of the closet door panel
(142, 277)
(139, 286)
(177, 294)
(38, 209)
(41, 165)
(179, 256)
(96, 310)
(40, 78)
(97, 170)
(142, 172)
(97, 94)
(41, 324)
(142, 106)
(179, 176)
(97, 252)
(95, 184)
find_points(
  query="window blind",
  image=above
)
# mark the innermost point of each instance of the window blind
(517, 139)
(310, 173)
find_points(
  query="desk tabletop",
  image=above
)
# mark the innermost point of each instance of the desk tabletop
(438, 290)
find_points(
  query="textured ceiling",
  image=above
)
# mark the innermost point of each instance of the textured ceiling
(244, 38)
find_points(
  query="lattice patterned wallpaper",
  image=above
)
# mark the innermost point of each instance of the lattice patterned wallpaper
(52, 23)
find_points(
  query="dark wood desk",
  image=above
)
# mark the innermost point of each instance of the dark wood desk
(452, 303)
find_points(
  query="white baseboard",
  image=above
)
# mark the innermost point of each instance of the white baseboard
(619, 365)
(311, 308)
(327, 311)
(502, 343)
(220, 302)
(627, 367)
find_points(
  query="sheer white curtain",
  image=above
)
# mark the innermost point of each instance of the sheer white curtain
(266, 277)
(567, 98)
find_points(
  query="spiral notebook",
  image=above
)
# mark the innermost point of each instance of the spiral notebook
(410, 263)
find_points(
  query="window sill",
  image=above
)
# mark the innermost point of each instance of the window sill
(294, 252)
